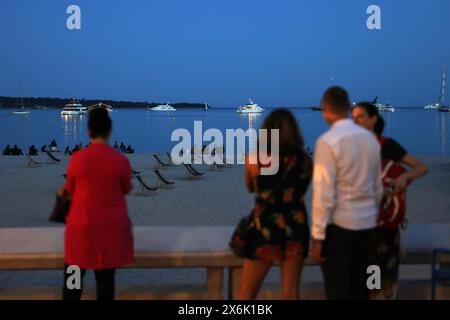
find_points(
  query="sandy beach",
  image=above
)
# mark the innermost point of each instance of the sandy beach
(219, 198)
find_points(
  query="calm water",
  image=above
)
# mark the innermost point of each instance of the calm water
(424, 132)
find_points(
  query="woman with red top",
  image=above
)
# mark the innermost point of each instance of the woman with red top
(98, 232)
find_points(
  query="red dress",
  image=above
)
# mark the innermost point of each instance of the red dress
(98, 230)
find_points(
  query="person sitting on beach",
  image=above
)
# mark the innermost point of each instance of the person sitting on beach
(386, 246)
(123, 149)
(16, 151)
(67, 151)
(53, 144)
(130, 149)
(279, 228)
(7, 151)
(75, 149)
(32, 151)
(98, 232)
(44, 148)
(116, 146)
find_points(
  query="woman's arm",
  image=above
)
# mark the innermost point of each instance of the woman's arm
(126, 179)
(251, 171)
(418, 169)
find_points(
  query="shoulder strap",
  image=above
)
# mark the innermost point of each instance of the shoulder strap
(382, 140)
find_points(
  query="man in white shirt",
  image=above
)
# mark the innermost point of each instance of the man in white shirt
(347, 190)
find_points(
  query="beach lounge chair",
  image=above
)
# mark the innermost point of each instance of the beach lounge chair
(143, 187)
(51, 158)
(191, 172)
(135, 173)
(162, 181)
(170, 163)
(159, 162)
(215, 165)
(31, 162)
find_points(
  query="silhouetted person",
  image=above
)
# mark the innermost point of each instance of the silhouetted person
(53, 144)
(44, 148)
(75, 149)
(16, 151)
(130, 149)
(116, 146)
(123, 149)
(67, 151)
(7, 151)
(32, 151)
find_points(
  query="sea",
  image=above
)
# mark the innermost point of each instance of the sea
(422, 132)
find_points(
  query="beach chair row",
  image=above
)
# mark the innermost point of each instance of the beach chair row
(51, 159)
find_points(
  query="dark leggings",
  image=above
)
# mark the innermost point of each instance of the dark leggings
(105, 285)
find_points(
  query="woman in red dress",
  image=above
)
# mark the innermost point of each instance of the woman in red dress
(98, 232)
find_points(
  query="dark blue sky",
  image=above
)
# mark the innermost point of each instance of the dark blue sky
(280, 53)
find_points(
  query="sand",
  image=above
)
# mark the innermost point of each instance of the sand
(220, 198)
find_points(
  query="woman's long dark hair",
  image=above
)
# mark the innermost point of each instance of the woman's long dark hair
(372, 111)
(290, 138)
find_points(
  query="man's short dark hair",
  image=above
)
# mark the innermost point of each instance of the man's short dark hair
(99, 123)
(336, 98)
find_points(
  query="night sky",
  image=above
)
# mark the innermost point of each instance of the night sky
(280, 53)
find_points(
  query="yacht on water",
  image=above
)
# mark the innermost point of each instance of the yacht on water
(163, 107)
(250, 107)
(101, 105)
(441, 107)
(74, 108)
(22, 109)
(432, 106)
(383, 107)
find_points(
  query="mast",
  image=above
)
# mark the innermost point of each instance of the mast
(21, 93)
(442, 90)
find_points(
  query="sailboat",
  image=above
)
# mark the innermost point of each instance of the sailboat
(22, 108)
(206, 107)
(442, 107)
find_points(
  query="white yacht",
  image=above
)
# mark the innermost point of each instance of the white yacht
(101, 105)
(74, 108)
(383, 107)
(22, 109)
(163, 107)
(250, 107)
(432, 106)
(441, 107)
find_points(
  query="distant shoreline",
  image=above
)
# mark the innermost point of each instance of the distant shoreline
(59, 103)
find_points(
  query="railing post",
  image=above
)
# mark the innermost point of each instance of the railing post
(234, 281)
(215, 283)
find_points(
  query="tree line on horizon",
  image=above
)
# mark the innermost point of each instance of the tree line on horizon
(59, 103)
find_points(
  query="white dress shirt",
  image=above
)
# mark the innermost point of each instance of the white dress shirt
(347, 187)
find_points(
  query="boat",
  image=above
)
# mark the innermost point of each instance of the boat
(74, 108)
(163, 107)
(22, 109)
(316, 108)
(442, 107)
(250, 107)
(432, 106)
(206, 107)
(383, 107)
(100, 105)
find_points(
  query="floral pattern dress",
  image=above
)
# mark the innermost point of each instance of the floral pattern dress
(279, 220)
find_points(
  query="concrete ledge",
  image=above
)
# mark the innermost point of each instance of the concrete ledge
(180, 292)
